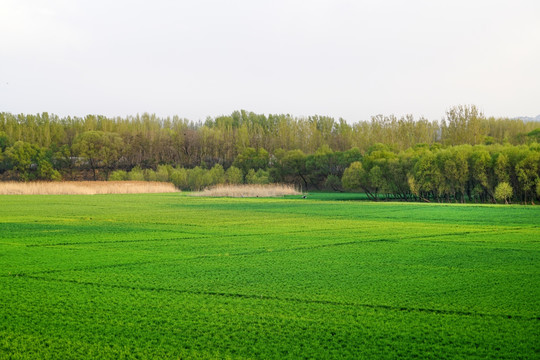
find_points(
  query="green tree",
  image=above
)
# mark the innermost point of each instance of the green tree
(464, 124)
(376, 180)
(99, 149)
(251, 158)
(163, 173)
(149, 175)
(502, 168)
(481, 169)
(118, 175)
(136, 174)
(21, 156)
(4, 141)
(503, 192)
(333, 182)
(179, 178)
(352, 177)
(216, 175)
(425, 175)
(527, 173)
(46, 171)
(257, 177)
(233, 175)
(293, 167)
(355, 178)
(196, 179)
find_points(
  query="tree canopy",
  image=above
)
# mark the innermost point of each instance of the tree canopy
(464, 157)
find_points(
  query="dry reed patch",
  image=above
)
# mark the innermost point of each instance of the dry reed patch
(269, 190)
(85, 187)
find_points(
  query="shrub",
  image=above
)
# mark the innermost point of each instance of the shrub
(179, 178)
(149, 175)
(333, 182)
(196, 178)
(118, 175)
(136, 174)
(45, 171)
(163, 173)
(257, 177)
(216, 175)
(234, 175)
(503, 191)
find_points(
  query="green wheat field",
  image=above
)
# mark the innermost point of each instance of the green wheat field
(172, 276)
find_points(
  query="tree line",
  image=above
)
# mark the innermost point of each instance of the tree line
(388, 157)
(462, 173)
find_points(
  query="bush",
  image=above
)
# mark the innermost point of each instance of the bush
(136, 174)
(179, 177)
(234, 175)
(257, 177)
(333, 183)
(149, 175)
(196, 179)
(118, 175)
(503, 191)
(163, 173)
(216, 175)
(46, 171)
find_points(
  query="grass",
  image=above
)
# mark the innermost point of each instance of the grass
(85, 187)
(174, 276)
(251, 190)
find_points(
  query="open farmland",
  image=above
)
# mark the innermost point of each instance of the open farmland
(173, 276)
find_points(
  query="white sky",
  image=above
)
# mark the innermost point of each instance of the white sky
(199, 58)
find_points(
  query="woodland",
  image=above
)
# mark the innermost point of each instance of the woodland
(465, 157)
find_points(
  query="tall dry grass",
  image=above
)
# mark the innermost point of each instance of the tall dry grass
(270, 190)
(85, 187)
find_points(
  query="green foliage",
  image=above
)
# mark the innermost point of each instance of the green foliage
(354, 177)
(149, 175)
(216, 175)
(292, 168)
(45, 171)
(163, 173)
(464, 124)
(402, 158)
(118, 175)
(333, 183)
(251, 158)
(503, 192)
(527, 171)
(326, 163)
(234, 175)
(196, 179)
(179, 177)
(99, 149)
(257, 177)
(20, 156)
(136, 174)
(4, 141)
(533, 135)
(171, 276)
(502, 168)
(451, 174)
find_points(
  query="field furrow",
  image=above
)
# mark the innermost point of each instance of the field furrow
(173, 276)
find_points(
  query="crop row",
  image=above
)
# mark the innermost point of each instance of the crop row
(155, 276)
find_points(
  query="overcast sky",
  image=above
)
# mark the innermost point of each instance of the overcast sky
(199, 58)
